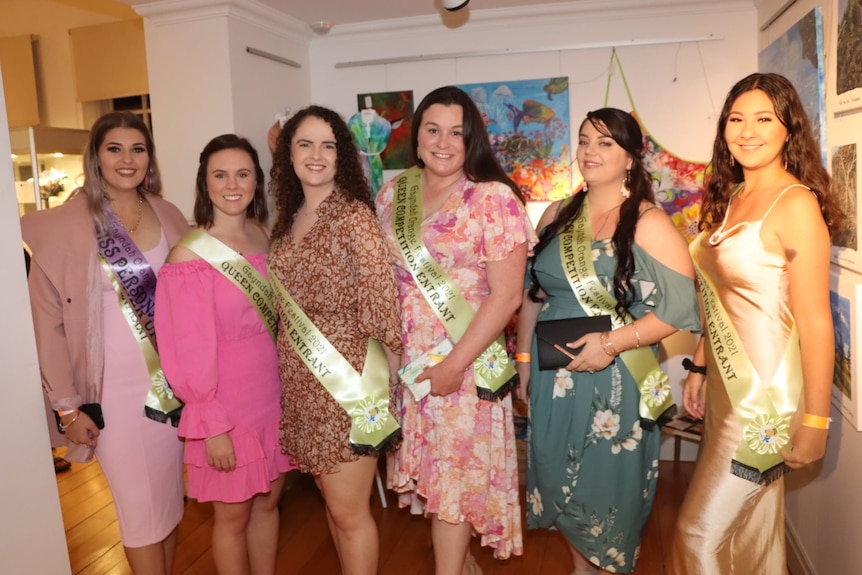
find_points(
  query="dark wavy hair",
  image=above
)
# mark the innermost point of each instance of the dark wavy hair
(284, 184)
(204, 212)
(801, 152)
(92, 186)
(625, 131)
(480, 163)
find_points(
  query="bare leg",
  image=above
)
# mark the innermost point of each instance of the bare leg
(582, 565)
(451, 545)
(262, 532)
(348, 503)
(230, 546)
(155, 559)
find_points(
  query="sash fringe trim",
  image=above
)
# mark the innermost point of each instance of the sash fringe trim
(755, 476)
(385, 446)
(486, 394)
(162, 417)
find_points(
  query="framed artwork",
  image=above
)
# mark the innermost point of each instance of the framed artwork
(798, 56)
(528, 125)
(397, 109)
(848, 43)
(845, 297)
(845, 178)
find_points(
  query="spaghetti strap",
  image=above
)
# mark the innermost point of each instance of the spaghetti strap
(779, 197)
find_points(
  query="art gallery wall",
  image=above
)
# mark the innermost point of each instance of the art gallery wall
(822, 507)
(677, 85)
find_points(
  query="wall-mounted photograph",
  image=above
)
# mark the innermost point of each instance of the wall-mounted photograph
(848, 46)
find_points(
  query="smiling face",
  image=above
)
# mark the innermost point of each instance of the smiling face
(754, 135)
(600, 159)
(313, 153)
(123, 160)
(230, 181)
(440, 141)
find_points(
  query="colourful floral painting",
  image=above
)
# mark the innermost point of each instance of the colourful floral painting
(677, 183)
(528, 125)
(397, 109)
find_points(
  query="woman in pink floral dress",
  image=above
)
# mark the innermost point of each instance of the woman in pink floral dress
(458, 462)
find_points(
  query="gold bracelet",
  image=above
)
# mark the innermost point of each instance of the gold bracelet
(63, 428)
(637, 335)
(607, 344)
(816, 421)
(522, 358)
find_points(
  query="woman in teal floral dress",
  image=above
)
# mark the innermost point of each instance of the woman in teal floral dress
(594, 445)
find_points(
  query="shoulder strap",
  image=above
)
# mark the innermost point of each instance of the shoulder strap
(781, 194)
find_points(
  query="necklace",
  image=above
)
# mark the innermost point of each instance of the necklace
(132, 229)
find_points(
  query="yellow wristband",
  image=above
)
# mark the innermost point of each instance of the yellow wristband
(522, 358)
(816, 421)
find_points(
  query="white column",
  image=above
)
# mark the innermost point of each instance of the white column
(203, 82)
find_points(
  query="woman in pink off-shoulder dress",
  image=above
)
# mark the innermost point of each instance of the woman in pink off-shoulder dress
(216, 339)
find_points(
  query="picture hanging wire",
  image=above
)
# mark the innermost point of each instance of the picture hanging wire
(507, 51)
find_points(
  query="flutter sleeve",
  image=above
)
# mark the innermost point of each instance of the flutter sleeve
(672, 295)
(376, 290)
(188, 346)
(505, 222)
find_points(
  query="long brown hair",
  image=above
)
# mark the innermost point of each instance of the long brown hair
(801, 153)
(92, 186)
(284, 184)
(480, 163)
(625, 131)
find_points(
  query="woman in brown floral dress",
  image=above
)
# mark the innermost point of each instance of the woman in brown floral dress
(330, 256)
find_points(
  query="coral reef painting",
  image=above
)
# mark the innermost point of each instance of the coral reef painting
(528, 125)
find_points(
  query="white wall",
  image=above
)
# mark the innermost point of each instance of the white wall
(822, 511)
(32, 540)
(203, 82)
(677, 87)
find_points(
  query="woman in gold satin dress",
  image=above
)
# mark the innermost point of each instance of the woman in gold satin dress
(763, 266)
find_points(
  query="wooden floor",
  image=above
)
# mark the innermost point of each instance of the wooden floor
(92, 533)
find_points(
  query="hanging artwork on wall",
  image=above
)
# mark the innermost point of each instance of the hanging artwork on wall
(848, 66)
(798, 56)
(677, 182)
(381, 131)
(844, 297)
(845, 242)
(528, 124)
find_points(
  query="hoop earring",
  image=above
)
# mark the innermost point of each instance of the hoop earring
(624, 189)
(732, 161)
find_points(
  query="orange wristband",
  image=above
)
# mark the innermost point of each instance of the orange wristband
(522, 358)
(816, 421)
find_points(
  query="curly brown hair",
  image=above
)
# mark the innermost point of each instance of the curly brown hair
(284, 184)
(801, 151)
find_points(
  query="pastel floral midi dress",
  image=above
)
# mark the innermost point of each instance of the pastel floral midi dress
(458, 456)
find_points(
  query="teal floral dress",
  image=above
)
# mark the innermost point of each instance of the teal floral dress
(593, 467)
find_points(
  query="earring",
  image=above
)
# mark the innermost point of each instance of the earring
(585, 188)
(147, 180)
(732, 161)
(624, 189)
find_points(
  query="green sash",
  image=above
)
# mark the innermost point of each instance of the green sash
(239, 271)
(364, 397)
(493, 371)
(763, 412)
(577, 259)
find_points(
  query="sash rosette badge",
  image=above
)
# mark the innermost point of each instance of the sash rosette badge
(767, 434)
(370, 415)
(655, 388)
(492, 362)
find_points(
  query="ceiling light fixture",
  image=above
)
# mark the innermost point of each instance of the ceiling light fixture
(453, 5)
(321, 27)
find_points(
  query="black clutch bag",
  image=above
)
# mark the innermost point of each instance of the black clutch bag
(553, 335)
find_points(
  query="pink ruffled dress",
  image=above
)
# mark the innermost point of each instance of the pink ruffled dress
(220, 360)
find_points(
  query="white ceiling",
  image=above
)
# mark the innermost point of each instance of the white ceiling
(352, 11)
